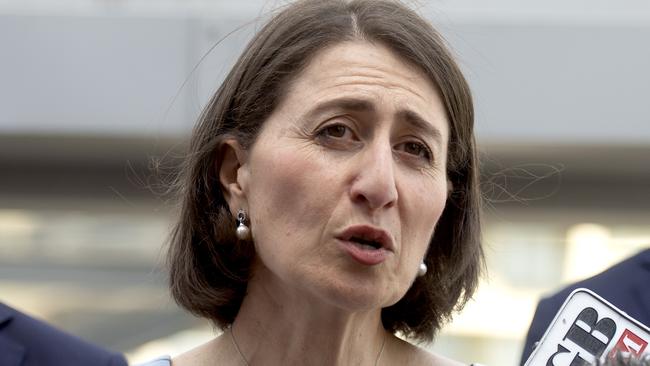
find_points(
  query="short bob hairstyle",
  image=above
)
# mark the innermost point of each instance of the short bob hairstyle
(210, 268)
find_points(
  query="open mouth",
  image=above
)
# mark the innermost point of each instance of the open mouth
(365, 243)
(367, 237)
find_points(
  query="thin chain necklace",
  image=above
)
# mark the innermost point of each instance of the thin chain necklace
(234, 342)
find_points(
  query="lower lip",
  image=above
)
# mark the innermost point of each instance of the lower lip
(369, 257)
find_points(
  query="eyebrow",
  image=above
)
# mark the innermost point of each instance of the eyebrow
(346, 103)
(413, 119)
(420, 124)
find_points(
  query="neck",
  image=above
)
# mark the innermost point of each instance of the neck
(279, 327)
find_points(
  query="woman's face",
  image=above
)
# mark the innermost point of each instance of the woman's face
(347, 179)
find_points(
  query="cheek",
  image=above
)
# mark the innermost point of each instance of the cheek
(424, 211)
(286, 198)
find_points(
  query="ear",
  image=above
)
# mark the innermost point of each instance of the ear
(230, 167)
(450, 187)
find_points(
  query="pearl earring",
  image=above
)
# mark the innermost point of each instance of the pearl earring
(243, 231)
(422, 270)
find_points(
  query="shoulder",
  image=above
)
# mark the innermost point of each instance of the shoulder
(631, 272)
(409, 354)
(41, 343)
(620, 284)
(161, 361)
(443, 361)
(209, 353)
(615, 284)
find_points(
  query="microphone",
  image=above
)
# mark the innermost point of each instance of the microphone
(589, 331)
(621, 360)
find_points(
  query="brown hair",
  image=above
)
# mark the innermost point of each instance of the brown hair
(209, 268)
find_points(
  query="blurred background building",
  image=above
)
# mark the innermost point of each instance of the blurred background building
(92, 93)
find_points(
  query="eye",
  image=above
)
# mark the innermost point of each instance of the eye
(336, 131)
(416, 149)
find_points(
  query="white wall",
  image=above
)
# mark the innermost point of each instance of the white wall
(535, 78)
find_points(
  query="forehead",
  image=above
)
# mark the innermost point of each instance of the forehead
(364, 59)
(369, 70)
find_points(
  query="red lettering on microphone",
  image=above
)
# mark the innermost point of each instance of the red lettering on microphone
(630, 344)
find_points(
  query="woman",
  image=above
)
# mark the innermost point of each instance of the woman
(330, 196)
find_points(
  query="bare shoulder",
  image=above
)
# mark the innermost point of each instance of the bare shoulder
(411, 355)
(444, 361)
(204, 355)
(193, 357)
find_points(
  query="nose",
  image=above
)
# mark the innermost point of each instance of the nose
(374, 184)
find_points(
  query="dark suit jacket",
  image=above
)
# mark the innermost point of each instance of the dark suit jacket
(25, 341)
(626, 285)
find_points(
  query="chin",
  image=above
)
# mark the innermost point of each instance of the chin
(359, 296)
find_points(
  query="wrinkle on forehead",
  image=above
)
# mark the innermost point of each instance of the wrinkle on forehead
(354, 60)
(355, 81)
(397, 74)
(359, 67)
